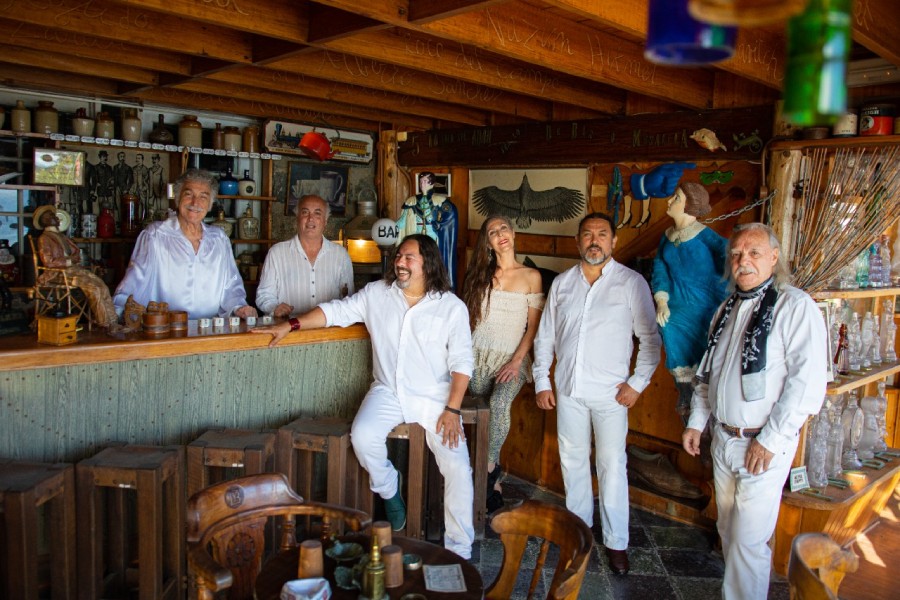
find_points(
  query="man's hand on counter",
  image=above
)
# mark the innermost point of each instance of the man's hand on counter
(276, 331)
(245, 311)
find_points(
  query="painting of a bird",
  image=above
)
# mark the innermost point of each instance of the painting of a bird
(525, 204)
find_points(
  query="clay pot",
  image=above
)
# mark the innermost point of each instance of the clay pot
(106, 127)
(131, 125)
(46, 118)
(20, 118)
(190, 132)
(161, 135)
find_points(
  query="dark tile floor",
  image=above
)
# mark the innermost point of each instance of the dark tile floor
(669, 560)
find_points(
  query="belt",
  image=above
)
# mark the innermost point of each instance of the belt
(745, 432)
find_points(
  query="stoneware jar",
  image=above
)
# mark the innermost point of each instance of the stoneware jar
(190, 132)
(218, 137)
(106, 128)
(46, 118)
(20, 118)
(248, 225)
(251, 139)
(228, 185)
(160, 134)
(131, 125)
(246, 186)
(232, 139)
(82, 124)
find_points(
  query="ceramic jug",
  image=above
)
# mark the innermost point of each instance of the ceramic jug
(160, 134)
(106, 128)
(46, 118)
(20, 118)
(218, 137)
(131, 125)
(190, 132)
(82, 124)
(228, 185)
(232, 139)
(246, 186)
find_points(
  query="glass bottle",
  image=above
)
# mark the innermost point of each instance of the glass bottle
(46, 118)
(874, 259)
(890, 333)
(886, 269)
(131, 125)
(815, 75)
(866, 339)
(852, 426)
(106, 223)
(881, 418)
(82, 125)
(105, 127)
(835, 439)
(842, 355)
(20, 118)
(862, 269)
(190, 132)
(373, 574)
(246, 186)
(222, 223)
(131, 215)
(248, 225)
(218, 137)
(869, 408)
(228, 185)
(160, 133)
(875, 353)
(818, 448)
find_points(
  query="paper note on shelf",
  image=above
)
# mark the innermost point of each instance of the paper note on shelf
(444, 578)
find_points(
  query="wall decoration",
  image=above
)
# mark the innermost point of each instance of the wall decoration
(326, 181)
(543, 201)
(351, 146)
(58, 167)
(441, 183)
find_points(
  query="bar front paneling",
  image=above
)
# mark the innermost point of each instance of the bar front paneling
(69, 412)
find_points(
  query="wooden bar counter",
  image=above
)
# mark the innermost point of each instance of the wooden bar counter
(66, 403)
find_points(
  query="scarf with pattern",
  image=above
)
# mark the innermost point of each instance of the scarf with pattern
(753, 355)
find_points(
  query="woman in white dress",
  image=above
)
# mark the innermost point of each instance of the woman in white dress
(505, 300)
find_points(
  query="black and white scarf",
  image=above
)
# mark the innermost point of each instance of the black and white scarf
(753, 355)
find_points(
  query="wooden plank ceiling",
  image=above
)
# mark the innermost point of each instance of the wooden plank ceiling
(389, 64)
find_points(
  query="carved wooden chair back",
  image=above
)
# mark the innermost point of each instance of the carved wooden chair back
(553, 525)
(818, 566)
(53, 289)
(227, 523)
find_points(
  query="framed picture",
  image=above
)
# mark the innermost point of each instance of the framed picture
(441, 183)
(58, 167)
(283, 137)
(329, 182)
(543, 201)
(825, 309)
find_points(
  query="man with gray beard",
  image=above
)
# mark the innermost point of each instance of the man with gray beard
(593, 312)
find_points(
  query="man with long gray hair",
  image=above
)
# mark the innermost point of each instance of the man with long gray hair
(763, 374)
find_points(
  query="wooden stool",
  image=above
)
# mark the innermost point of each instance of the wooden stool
(24, 487)
(476, 417)
(247, 449)
(300, 440)
(156, 474)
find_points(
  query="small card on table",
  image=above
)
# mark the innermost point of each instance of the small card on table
(444, 578)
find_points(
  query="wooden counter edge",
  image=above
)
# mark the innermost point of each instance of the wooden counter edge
(30, 355)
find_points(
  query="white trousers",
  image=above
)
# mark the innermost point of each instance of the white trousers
(379, 413)
(748, 510)
(609, 419)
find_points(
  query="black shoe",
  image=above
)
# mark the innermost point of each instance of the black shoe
(494, 501)
(493, 477)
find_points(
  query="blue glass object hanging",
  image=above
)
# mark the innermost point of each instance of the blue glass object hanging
(675, 38)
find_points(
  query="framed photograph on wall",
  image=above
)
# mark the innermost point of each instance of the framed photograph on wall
(441, 183)
(329, 182)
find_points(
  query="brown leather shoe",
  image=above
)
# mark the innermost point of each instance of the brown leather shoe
(655, 471)
(618, 561)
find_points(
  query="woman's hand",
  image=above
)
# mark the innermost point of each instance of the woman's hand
(276, 331)
(509, 371)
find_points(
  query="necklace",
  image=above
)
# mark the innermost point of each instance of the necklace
(412, 297)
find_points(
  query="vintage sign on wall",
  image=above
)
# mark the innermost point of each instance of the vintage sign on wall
(284, 137)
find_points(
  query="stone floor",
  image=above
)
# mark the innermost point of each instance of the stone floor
(669, 560)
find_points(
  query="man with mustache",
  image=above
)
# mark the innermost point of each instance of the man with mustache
(422, 356)
(763, 374)
(592, 313)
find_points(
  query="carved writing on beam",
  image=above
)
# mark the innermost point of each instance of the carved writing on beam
(619, 62)
(757, 53)
(639, 139)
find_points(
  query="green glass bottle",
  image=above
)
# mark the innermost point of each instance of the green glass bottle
(815, 82)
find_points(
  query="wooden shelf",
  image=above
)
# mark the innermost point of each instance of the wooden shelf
(28, 134)
(846, 142)
(853, 382)
(856, 293)
(261, 198)
(99, 240)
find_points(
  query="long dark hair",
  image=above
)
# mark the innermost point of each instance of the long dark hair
(436, 278)
(479, 279)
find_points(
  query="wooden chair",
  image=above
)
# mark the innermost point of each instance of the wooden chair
(554, 525)
(818, 566)
(57, 291)
(226, 526)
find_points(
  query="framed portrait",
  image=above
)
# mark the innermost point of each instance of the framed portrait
(441, 183)
(329, 182)
(542, 201)
(58, 167)
(825, 309)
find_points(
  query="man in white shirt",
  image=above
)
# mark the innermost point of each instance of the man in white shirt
(422, 355)
(592, 312)
(307, 269)
(763, 374)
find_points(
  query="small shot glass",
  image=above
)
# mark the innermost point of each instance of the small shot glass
(251, 321)
(218, 322)
(234, 322)
(203, 323)
(266, 319)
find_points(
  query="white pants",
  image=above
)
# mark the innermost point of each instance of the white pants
(748, 510)
(574, 419)
(379, 413)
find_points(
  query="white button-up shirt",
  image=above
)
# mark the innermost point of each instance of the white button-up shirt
(415, 349)
(165, 268)
(289, 277)
(796, 363)
(590, 329)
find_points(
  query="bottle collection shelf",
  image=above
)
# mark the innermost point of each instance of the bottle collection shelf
(845, 384)
(260, 198)
(855, 293)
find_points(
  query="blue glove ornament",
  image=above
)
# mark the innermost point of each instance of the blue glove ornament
(660, 182)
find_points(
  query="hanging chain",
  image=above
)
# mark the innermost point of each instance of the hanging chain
(741, 210)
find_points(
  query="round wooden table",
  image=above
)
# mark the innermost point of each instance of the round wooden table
(283, 567)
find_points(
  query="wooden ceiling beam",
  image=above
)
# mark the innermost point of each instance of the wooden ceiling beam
(61, 41)
(327, 23)
(423, 11)
(876, 24)
(312, 87)
(250, 108)
(306, 103)
(367, 72)
(134, 26)
(280, 19)
(429, 54)
(267, 50)
(66, 63)
(18, 76)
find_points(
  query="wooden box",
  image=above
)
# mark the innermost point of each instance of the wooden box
(57, 331)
